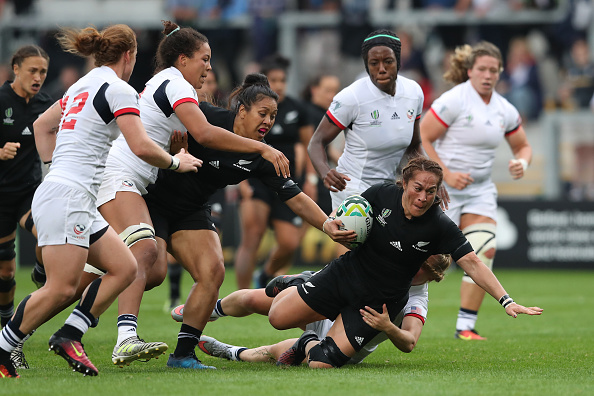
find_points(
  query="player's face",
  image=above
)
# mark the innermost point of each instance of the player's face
(383, 68)
(195, 69)
(484, 75)
(323, 93)
(29, 76)
(259, 119)
(419, 193)
(210, 85)
(278, 82)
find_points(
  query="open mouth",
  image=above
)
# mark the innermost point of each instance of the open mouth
(262, 132)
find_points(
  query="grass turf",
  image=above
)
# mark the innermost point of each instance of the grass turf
(547, 355)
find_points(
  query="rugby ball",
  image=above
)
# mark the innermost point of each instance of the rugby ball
(356, 214)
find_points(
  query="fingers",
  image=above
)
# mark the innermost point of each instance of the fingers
(335, 181)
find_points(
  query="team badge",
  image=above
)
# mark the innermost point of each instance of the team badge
(410, 113)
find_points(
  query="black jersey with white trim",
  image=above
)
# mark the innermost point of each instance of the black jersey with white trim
(190, 191)
(23, 172)
(397, 246)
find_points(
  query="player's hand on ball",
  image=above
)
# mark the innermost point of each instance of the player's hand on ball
(514, 310)
(335, 230)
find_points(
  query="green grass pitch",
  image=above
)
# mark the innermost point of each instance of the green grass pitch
(548, 355)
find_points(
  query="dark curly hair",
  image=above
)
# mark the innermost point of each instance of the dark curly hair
(255, 87)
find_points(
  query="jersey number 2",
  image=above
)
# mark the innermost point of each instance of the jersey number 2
(82, 99)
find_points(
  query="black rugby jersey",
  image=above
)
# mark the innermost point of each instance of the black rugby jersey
(187, 192)
(23, 172)
(396, 246)
(284, 134)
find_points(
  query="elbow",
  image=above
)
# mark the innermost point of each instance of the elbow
(408, 348)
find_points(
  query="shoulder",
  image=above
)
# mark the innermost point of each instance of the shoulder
(408, 86)
(120, 87)
(44, 97)
(214, 114)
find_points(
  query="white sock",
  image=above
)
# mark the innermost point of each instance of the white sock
(79, 321)
(235, 351)
(127, 325)
(466, 319)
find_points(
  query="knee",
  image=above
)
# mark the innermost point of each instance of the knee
(490, 254)
(278, 320)
(326, 354)
(7, 271)
(146, 254)
(156, 276)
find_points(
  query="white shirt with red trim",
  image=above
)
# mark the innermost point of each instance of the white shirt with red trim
(475, 129)
(378, 128)
(417, 306)
(163, 93)
(88, 127)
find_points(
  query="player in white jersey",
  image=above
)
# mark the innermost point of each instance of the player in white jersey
(379, 115)
(169, 102)
(461, 132)
(404, 331)
(70, 230)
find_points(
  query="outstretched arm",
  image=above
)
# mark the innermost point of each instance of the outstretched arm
(483, 277)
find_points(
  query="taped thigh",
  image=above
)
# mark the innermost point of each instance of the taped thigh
(137, 232)
(482, 238)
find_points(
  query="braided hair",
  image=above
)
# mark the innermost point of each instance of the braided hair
(382, 37)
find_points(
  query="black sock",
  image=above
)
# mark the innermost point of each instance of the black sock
(175, 274)
(187, 339)
(69, 332)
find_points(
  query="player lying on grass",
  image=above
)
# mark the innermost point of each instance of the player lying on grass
(404, 331)
(409, 228)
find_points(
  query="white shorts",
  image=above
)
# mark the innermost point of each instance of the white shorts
(339, 196)
(479, 199)
(115, 180)
(63, 214)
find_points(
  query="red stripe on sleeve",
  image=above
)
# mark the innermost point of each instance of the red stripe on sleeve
(184, 100)
(127, 110)
(513, 130)
(422, 319)
(418, 117)
(334, 120)
(438, 119)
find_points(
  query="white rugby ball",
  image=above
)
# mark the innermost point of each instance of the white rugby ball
(356, 214)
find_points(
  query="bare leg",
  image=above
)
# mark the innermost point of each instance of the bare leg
(254, 221)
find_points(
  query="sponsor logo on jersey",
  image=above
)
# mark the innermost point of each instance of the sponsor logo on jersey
(395, 116)
(214, 164)
(359, 340)
(375, 116)
(291, 117)
(127, 183)
(396, 244)
(420, 245)
(306, 284)
(410, 113)
(382, 217)
(240, 164)
(79, 229)
(8, 117)
(26, 132)
(488, 123)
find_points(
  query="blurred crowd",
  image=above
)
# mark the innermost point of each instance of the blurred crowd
(548, 66)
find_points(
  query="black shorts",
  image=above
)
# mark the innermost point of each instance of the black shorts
(12, 207)
(331, 292)
(167, 222)
(278, 209)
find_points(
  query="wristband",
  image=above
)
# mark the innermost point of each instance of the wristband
(523, 162)
(330, 218)
(47, 165)
(505, 300)
(312, 178)
(174, 163)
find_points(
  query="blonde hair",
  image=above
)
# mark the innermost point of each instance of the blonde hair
(464, 58)
(437, 265)
(106, 46)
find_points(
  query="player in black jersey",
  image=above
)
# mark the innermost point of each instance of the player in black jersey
(20, 167)
(259, 206)
(408, 227)
(181, 216)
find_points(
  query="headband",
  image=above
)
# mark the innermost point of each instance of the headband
(173, 31)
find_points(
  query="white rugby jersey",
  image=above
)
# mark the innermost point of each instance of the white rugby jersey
(88, 127)
(417, 305)
(378, 128)
(475, 129)
(163, 93)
